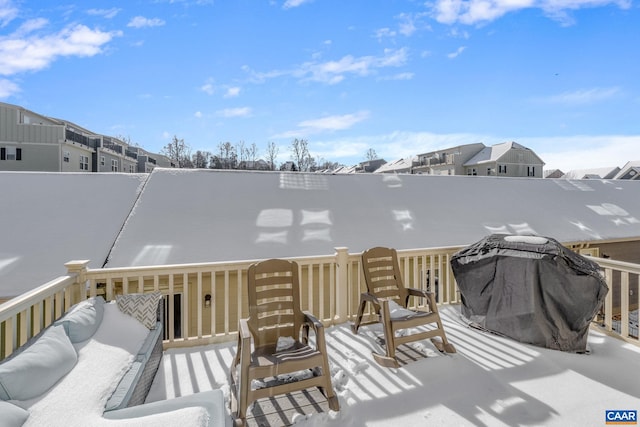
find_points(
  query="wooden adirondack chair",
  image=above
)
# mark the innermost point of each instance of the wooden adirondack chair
(274, 313)
(384, 284)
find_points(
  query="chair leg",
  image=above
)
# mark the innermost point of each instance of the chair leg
(327, 390)
(443, 345)
(389, 359)
(356, 324)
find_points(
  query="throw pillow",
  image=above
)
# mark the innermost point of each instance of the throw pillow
(39, 367)
(83, 319)
(12, 415)
(143, 307)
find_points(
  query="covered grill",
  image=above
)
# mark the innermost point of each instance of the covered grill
(531, 289)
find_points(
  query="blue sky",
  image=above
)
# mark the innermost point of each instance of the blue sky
(402, 77)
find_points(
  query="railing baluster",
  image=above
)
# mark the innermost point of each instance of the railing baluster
(171, 324)
(185, 307)
(608, 301)
(199, 303)
(214, 303)
(624, 304)
(227, 302)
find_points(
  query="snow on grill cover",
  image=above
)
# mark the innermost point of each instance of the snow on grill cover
(531, 289)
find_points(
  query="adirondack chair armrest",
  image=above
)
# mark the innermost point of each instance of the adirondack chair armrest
(369, 297)
(244, 334)
(318, 329)
(313, 321)
(430, 296)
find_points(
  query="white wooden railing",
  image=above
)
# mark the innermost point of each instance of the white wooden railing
(203, 302)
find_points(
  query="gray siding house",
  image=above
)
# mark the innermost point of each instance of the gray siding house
(32, 142)
(449, 161)
(508, 159)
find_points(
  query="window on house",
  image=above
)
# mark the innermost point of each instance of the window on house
(502, 168)
(531, 171)
(84, 163)
(101, 160)
(114, 165)
(488, 171)
(10, 153)
(66, 156)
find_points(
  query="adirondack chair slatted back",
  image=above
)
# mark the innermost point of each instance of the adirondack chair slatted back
(274, 301)
(382, 274)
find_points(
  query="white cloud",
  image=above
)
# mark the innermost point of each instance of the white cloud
(585, 152)
(384, 32)
(457, 53)
(333, 72)
(235, 112)
(289, 4)
(198, 115)
(471, 12)
(8, 12)
(583, 96)
(208, 88)
(142, 22)
(107, 13)
(326, 124)
(8, 88)
(19, 53)
(232, 92)
(399, 76)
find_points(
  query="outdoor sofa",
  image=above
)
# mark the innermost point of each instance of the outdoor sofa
(95, 366)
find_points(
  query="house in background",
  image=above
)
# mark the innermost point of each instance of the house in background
(32, 142)
(595, 173)
(369, 166)
(398, 166)
(448, 161)
(631, 170)
(508, 159)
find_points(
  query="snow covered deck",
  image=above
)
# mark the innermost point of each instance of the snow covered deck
(491, 381)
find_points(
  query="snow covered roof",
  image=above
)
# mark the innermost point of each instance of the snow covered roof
(49, 219)
(206, 215)
(604, 173)
(629, 170)
(187, 216)
(493, 153)
(400, 165)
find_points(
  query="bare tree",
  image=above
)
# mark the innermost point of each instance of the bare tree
(371, 154)
(300, 154)
(241, 153)
(228, 156)
(179, 152)
(272, 154)
(200, 159)
(252, 154)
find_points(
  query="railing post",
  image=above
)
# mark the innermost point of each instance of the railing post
(79, 269)
(342, 285)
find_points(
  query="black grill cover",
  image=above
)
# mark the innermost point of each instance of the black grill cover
(531, 289)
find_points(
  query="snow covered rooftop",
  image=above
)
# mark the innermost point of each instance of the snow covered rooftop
(49, 219)
(206, 215)
(186, 216)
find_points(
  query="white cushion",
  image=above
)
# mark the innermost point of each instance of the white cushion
(83, 319)
(37, 368)
(12, 415)
(143, 307)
